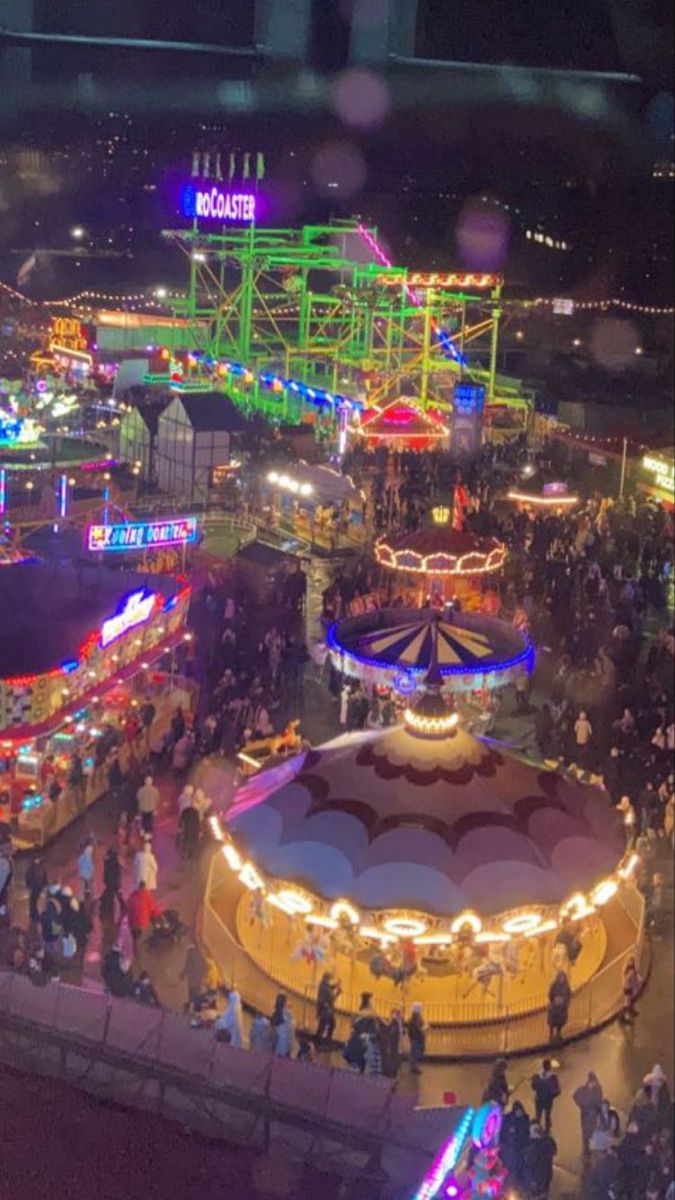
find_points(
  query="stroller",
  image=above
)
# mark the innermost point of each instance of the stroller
(166, 928)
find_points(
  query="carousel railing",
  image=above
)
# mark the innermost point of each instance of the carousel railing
(456, 1029)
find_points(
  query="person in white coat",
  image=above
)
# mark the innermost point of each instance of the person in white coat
(145, 867)
(283, 1026)
(230, 1025)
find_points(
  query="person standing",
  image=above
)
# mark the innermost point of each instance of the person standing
(261, 1036)
(583, 737)
(111, 912)
(147, 798)
(36, 882)
(417, 1034)
(514, 1138)
(538, 1163)
(392, 1033)
(329, 990)
(546, 1088)
(230, 1025)
(145, 866)
(189, 829)
(282, 1024)
(194, 972)
(588, 1099)
(497, 1090)
(559, 996)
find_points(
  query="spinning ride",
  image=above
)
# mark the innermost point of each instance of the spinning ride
(395, 647)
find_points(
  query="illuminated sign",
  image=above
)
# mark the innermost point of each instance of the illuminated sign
(142, 535)
(662, 470)
(70, 337)
(135, 609)
(562, 307)
(210, 203)
(18, 431)
(469, 397)
(554, 489)
(451, 279)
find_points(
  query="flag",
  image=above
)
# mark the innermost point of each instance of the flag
(460, 503)
(247, 166)
(259, 166)
(232, 166)
(26, 269)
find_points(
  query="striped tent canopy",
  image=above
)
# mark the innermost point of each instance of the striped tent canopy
(410, 640)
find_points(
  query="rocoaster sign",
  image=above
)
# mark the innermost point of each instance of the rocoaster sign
(206, 201)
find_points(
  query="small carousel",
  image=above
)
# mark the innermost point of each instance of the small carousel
(541, 491)
(421, 863)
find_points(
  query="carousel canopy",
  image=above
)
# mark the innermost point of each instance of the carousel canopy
(403, 419)
(543, 488)
(410, 639)
(396, 820)
(441, 550)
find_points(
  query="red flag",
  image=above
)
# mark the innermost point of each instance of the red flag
(461, 501)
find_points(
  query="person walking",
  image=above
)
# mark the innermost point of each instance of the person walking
(559, 996)
(111, 912)
(141, 909)
(588, 1099)
(145, 866)
(417, 1035)
(631, 990)
(329, 990)
(546, 1088)
(147, 798)
(284, 1029)
(230, 1025)
(85, 870)
(112, 871)
(36, 882)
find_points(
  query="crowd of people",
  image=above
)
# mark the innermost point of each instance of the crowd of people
(631, 1161)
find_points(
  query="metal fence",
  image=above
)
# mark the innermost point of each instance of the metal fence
(455, 1029)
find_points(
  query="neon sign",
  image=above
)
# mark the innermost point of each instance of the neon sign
(663, 471)
(212, 203)
(142, 535)
(135, 610)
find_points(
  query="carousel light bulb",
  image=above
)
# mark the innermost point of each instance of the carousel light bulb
(544, 927)
(522, 923)
(232, 857)
(626, 871)
(342, 908)
(603, 893)
(405, 927)
(466, 918)
(250, 877)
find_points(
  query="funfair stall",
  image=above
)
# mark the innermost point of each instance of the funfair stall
(77, 651)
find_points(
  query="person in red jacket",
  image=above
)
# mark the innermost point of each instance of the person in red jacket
(141, 909)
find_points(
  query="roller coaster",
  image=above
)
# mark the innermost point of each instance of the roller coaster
(321, 314)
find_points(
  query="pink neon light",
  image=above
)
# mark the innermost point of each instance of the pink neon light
(446, 1160)
(382, 258)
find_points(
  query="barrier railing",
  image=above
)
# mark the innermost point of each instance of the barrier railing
(455, 1029)
(107, 1045)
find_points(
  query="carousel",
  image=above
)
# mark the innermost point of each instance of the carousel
(421, 863)
(395, 647)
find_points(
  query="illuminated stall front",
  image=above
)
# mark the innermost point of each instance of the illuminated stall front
(422, 863)
(316, 503)
(83, 639)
